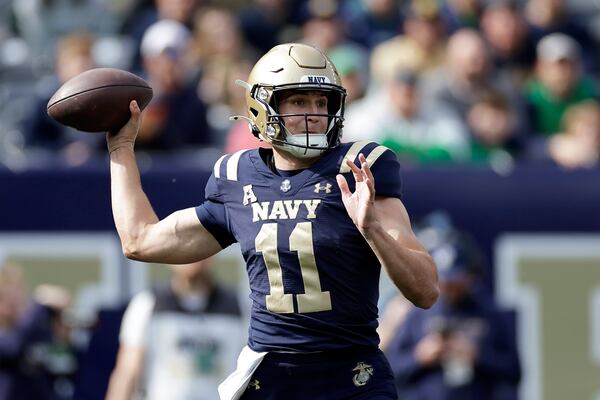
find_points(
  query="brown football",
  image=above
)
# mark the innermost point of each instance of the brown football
(98, 100)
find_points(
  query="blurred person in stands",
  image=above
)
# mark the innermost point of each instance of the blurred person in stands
(323, 28)
(465, 346)
(264, 22)
(559, 82)
(511, 44)
(219, 52)
(352, 65)
(491, 122)
(37, 360)
(314, 251)
(460, 14)
(370, 22)
(420, 48)
(175, 118)
(467, 74)
(545, 17)
(73, 56)
(396, 119)
(179, 340)
(146, 13)
(578, 146)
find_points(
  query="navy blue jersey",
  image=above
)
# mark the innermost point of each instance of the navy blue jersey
(313, 278)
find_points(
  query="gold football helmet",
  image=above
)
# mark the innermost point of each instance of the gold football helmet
(293, 66)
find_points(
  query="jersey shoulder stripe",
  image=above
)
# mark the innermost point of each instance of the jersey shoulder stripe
(351, 155)
(231, 162)
(232, 165)
(361, 147)
(374, 155)
(217, 167)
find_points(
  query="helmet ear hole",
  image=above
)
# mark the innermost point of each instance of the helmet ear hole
(254, 112)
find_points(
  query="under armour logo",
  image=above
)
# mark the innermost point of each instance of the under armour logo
(326, 187)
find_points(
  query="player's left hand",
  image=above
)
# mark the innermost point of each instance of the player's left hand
(360, 205)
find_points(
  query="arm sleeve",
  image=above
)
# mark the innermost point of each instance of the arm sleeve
(213, 214)
(386, 171)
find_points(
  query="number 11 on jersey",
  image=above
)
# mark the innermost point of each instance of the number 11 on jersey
(300, 241)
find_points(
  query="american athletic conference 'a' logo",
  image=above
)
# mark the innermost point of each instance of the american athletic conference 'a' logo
(365, 371)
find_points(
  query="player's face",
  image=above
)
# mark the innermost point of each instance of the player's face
(305, 102)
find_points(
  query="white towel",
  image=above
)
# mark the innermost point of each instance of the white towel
(234, 386)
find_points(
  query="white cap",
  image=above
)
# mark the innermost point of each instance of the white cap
(164, 35)
(558, 46)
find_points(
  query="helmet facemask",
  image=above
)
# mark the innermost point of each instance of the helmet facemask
(305, 144)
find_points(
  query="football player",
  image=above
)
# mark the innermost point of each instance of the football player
(315, 220)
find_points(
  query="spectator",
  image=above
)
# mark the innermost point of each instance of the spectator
(492, 125)
(579, 145)
(467, 74)
(28, 368)
(264, 21)
(463, 347)
(149, 12)
(352, 64)
(553, 16)
(511, 45)
(323, 27)
(559, 82)
(370, 22)
(396, 119)
(461, 14)
(176, 116)
(178, 341)
(73, 56)
(220, 54)
(420, 48)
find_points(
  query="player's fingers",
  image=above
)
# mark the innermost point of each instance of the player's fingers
(365, 167)
(343, 185)
(135, 109)
(358, 177)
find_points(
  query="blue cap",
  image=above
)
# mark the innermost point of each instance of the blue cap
(452, 262)
(455, 253)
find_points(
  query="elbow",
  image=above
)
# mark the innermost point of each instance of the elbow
(131, 250)
(427, 298)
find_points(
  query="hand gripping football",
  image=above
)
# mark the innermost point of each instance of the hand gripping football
(98, 100)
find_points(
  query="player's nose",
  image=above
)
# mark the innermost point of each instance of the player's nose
(314, 107)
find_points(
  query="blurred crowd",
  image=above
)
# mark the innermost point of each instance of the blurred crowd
(486, 82)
